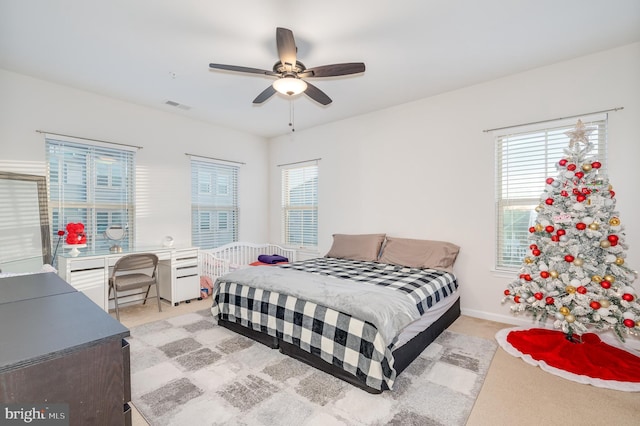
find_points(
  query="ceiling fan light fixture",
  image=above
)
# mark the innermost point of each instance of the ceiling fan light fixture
(290, 72)
(290, 86)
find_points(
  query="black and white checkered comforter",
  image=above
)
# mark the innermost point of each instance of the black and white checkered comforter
(340, 339)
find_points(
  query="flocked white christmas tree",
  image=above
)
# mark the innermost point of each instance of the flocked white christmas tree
(575, 271)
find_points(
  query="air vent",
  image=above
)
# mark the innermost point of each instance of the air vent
(178, 105)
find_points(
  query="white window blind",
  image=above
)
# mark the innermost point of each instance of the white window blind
(525, 157)
(214, 203)
(93, 184)
(300, 206)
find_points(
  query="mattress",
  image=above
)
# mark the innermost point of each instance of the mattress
(425, 321)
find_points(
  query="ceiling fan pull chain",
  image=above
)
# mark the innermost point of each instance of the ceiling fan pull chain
(291, 116)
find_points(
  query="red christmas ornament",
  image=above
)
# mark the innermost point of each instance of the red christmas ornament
(549, 228)
(571, 167)
(533, 246)
(569, 258)
(549, 300)
(605, 284)
(581, 226)
(612, 238)
(561, 232)
(545, 274)
(555, 238)
(576, 191)
(612, 193)
(586, 191)
(628, 297)
(564, 162)
(527, 277)
(516, 299)
(581, 289)
(595, 305)
(579, 175)
(580, 198)
(549, 181)
(549, 201)
(564, 193)
(596, 165)
(535, 252)
(532, 229)
(629, 323)
(538, 296)
(507, 292)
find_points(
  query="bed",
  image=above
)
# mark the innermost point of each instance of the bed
(362, 313)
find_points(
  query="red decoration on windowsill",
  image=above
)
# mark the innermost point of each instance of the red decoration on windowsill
(75, 234)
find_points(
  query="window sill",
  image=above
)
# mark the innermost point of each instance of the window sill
(307, 253)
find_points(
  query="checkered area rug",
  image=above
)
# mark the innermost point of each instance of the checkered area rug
(186, 370)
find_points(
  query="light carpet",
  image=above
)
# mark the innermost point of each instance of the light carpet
(186, 370)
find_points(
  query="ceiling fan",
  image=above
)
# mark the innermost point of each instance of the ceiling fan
(290, 72)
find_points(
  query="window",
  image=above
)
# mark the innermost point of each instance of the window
(524, 159)
(93, 184)
(214, 203)
(300, 206)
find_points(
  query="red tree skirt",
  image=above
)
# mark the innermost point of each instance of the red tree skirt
(591, 362)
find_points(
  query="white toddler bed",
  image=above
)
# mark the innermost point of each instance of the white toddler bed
(218, 261)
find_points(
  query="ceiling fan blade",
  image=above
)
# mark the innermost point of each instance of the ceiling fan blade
(334, 70)
(266, 94)
(317, 95)
(242, 69)
(286, 46)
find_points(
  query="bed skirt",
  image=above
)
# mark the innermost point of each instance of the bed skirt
(403, 356)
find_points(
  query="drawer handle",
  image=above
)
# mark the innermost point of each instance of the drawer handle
(88, 269)
(187, 276)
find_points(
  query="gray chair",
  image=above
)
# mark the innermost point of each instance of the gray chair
(135, 271)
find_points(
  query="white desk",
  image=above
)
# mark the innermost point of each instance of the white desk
(178, 274)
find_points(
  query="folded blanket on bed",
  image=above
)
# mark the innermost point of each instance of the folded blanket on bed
(272, 259)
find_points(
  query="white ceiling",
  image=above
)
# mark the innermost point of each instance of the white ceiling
(151, 51)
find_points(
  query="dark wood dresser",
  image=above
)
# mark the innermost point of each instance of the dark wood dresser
(59, 347)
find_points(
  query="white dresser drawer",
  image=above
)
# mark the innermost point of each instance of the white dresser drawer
(184, 258)
(186, 271)
(91, 282)
(83, 264)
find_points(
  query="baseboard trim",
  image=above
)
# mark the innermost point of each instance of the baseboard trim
(523, 321)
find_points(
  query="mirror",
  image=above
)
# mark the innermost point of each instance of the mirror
(115, 233)
(25, 241)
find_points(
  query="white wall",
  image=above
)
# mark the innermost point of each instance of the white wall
(426, 169)
(419, 170)
(163, 170)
